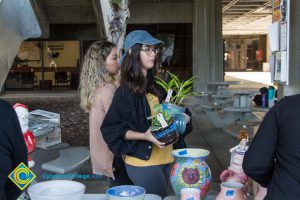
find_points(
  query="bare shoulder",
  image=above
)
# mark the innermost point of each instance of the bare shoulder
(105, 91)
(104, 95)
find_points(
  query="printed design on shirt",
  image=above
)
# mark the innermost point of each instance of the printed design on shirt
(22, 176)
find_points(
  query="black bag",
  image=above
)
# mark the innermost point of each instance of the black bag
(258, 98)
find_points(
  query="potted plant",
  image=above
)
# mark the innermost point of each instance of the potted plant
(177, 90)
(162, 126)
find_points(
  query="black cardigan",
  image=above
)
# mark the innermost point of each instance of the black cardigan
(127, 112)
(278, 137)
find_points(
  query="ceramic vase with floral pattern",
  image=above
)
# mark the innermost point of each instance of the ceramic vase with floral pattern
(190, 171)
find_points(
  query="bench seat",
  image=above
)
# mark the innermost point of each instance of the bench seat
(222, 96)
(70, 159)
(237, 109)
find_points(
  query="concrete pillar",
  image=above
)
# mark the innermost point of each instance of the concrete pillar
(17, 23)
(2, 90)
(207, 43)
(294, 58)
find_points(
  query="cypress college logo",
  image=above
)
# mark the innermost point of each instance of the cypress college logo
(22, 176)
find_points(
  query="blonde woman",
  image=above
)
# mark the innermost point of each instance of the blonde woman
(97, 87)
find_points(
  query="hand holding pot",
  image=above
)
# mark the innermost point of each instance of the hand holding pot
(151, 138)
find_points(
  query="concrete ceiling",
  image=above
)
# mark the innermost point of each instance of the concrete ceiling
(79, 19)
(241, 17)
(69, 19)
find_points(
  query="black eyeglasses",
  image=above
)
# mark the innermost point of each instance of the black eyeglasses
(148, 51)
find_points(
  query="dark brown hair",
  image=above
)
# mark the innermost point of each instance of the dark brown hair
(132, 76)
(242, 135)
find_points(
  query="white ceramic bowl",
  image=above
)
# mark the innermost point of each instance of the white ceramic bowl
(57, 190)
(126, 192)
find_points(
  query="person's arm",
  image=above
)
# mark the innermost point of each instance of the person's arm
(101, 156)
(259, 159)
(117, 129)
(233, 148)
(132, 135)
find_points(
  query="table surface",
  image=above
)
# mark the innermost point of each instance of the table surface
(147, 197)
(225, 83)
(103, 197)
(208, 197)
(218, 83)
(241, 92)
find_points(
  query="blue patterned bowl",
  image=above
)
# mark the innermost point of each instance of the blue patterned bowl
(126, 192)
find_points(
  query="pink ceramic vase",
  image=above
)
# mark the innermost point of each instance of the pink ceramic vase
(231, 191)
(260, 195)
(232, 176)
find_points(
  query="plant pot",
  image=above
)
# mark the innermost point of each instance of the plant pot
(190, 171)
(231, 191)
(174, 109)
(167, 135)
(179, 120)
(232, 176)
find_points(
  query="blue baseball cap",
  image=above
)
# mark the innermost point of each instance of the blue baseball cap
(138, 37)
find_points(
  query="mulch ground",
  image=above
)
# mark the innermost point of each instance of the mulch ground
(74, 121)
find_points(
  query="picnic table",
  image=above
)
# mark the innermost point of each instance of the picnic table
(221, 116)
(217, 86)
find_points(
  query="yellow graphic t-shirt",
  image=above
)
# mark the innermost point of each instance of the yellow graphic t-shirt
(158, 156)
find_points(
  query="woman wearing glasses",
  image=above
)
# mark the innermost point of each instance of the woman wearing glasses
(98, 84)
(125, 127)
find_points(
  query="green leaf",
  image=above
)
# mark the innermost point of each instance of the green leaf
(155, 122)
(150, 117)
(158, 108)
(181, 88)
(166, 115)
(165, 87)
(186, 90)
(189, 81)
(170, 84)
(161, 80)
(175, 78)
(154, 128)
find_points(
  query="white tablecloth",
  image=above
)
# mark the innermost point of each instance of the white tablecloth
(103, 197)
